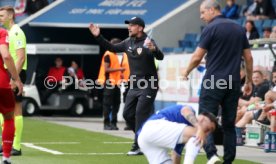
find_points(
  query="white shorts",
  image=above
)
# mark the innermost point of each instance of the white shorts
(157, 137)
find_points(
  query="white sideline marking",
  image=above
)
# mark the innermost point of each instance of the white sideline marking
(30, 145)
(54, 152)
(93, 154)
(117, 142)
(54, 143)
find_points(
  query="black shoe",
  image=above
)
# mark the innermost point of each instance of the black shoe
(15, 152)
(1, 149)
(6, 162)
(114, 127)
(107, 127)
(127, 128)
(135, 150)
(264, 122)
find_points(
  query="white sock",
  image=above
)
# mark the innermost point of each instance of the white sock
(6, 159)
(191, 151)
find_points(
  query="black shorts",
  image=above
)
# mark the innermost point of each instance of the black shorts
(256, 114)
(22, 75)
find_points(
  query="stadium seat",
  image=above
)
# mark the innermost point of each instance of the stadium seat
(273, 23)
(7, 2)
(189, 49)
(267, 23)
(197, 39)
(260, 31)
(241, 21)
(189, 42)
(274, 4)
(190, 37)
(50, 1)
(182, 43)
(243, 7)
(249, 2)
(167, 49)
(258, 24)
(178, 50)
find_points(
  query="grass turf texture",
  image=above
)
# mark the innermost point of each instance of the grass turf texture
(36, 131)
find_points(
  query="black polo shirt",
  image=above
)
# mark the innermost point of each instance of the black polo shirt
(260, 90)
(224, 41)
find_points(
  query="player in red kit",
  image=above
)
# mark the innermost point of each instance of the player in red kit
(7, 100)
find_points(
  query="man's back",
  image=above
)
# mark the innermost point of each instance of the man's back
(224, 41)
(171, 113)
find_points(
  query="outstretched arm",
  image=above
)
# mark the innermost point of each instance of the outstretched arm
(95, 30)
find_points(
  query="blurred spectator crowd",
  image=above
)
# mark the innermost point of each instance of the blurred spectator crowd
(258, 17)
(24, 8)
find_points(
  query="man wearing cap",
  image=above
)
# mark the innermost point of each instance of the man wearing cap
(141, 52)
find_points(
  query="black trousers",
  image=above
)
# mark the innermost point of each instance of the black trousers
(210, 99)
(139, 106)
(111, 104)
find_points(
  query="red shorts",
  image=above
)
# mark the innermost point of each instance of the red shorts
(7, 100)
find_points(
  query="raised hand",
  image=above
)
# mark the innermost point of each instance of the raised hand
(94, 29)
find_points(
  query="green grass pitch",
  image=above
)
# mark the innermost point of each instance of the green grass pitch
(77, 146)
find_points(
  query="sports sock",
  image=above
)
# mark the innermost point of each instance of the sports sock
(18, 132)
(7, 137)
(1, 121)
(6, 159)
(191, 151)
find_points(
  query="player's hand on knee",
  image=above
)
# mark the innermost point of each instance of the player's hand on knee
(200, 136)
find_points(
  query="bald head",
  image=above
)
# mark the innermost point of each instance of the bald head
(209, 9)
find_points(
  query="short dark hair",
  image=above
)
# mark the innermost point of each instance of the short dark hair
(211, 117)
(274, 69)
(115, 40)
(267, 29)
(10, 10)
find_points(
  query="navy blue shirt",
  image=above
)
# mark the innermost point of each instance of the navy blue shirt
(224, 41)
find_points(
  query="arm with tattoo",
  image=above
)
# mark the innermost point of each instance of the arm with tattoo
(192, 119)
(189, 115)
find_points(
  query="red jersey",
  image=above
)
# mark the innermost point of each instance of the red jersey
(56, 73)
(80, 74)
(4, 76)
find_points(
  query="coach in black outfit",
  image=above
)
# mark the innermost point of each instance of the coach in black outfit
(143, 73)
(225, 43)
